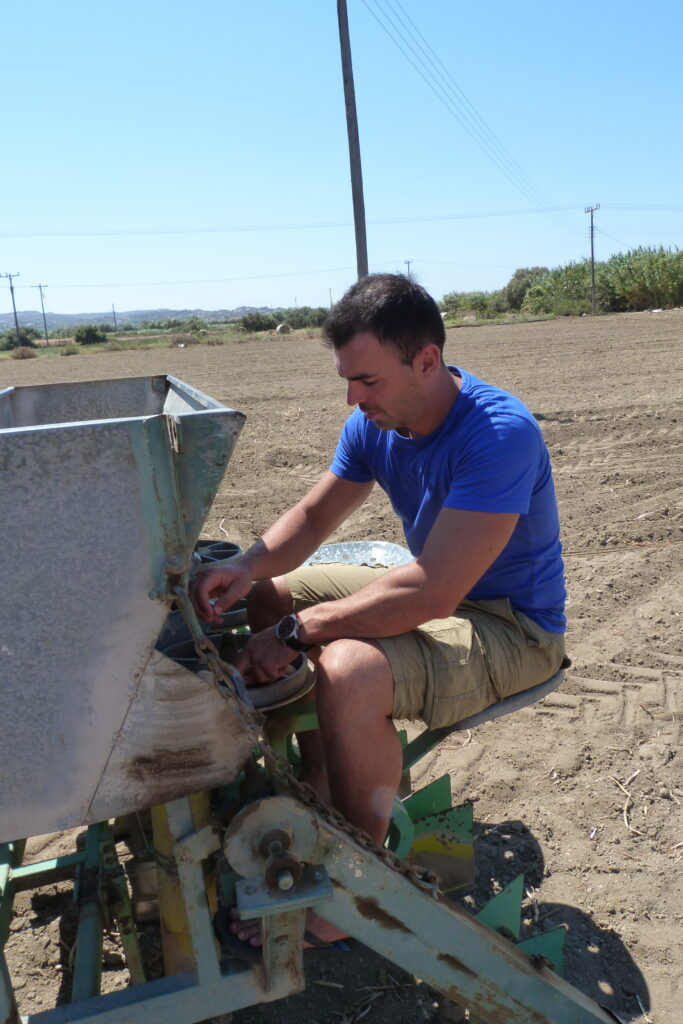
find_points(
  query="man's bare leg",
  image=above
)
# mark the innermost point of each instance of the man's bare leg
(355, 696)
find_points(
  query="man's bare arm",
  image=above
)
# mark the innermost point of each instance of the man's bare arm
(304, 527)
(283, 547)
(460, 548)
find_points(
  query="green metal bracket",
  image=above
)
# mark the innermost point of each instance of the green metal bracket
(46, 872)
(10, 858)
(443, 843)
(87, 892)
(549, 945)
(118, 907)
(431, 799)
(503, 911)
(401, 830)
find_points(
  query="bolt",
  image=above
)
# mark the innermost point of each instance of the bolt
(318, 875)
(285, 880)
(153, 595)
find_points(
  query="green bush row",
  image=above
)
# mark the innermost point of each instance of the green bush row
(644, 278)
(296, 318)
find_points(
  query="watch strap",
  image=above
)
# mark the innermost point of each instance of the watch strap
(286, 631)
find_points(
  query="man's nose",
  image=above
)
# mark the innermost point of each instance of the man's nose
(353, 393)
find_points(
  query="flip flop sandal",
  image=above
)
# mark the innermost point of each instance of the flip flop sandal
(338, 946)
(232, 946)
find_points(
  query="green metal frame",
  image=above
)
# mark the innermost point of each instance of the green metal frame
(456, 954)
(101, 893)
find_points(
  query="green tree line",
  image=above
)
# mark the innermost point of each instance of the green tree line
(644, 278)
(296, 317)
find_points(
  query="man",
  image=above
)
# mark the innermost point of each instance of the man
(477, 616)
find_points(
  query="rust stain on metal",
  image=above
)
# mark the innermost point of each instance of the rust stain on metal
(369, 908)
(455, 964)
(162, 762)
(499, 1015)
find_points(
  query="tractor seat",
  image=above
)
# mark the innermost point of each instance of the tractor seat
(428, 739)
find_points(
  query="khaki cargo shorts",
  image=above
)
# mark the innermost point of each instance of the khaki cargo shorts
(446, 669)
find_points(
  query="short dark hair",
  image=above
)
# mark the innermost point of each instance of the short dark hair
(396, 309)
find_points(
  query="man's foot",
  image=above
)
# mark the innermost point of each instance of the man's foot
(320, 933)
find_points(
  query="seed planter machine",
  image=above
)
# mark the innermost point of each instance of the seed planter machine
(106, 486)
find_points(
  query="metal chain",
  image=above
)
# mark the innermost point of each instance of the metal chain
(230, 686)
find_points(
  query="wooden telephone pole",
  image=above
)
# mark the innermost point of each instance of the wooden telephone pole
(14, 305)
(42, 306)
(591, 210)
(354, 141)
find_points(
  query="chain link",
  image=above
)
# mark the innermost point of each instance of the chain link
(230, 685)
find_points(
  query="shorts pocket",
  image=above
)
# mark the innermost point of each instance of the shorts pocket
(458, 683)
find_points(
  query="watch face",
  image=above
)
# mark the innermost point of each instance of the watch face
(286, 628)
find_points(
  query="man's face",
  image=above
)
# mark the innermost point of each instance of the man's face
(386, 390)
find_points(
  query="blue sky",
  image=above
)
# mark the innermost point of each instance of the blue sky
(194, 155)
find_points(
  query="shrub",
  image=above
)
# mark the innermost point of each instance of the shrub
(23, 352)
(89, 334)
(259, 322)
(484, 305)
(71, 350)
(27, 338)
(519, 284)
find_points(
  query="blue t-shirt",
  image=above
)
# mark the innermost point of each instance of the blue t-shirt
(488, 455)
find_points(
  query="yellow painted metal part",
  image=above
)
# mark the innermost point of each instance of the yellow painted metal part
(175, 935)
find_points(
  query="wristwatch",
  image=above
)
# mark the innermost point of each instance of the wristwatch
(287, 632)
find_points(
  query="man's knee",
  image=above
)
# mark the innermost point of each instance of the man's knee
(267, 602)
(355, 672)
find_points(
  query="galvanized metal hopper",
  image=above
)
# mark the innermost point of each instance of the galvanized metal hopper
(105, 488)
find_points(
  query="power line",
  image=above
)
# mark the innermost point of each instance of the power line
(471, 114)
(267, 277)
(231, 229)
(469, 119)
(643, 206)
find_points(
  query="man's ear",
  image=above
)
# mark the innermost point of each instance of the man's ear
(428, 360)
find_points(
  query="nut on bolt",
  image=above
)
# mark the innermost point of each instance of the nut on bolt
(285, 880)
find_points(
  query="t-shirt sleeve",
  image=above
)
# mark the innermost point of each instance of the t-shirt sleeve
(498, 468)
(349, 460)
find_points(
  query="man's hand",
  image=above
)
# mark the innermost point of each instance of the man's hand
(214, 589)
(264, 658)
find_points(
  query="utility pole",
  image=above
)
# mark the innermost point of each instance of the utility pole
(354, 142)
(42, 306)
(114, 315)
(407, 263)
(591, 210)
(11, 288)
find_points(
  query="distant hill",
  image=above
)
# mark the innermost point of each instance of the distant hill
(34, 318)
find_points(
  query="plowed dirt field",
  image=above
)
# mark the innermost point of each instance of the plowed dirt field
(583, 791)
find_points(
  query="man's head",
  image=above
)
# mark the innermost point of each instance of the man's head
(397, 311)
